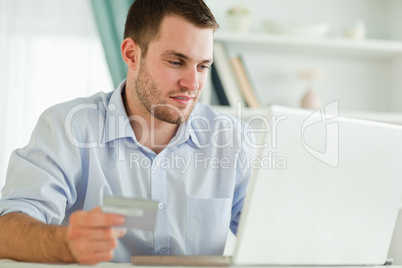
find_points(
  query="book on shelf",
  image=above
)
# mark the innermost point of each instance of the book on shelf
(218, 87)
(244, 82)
(226, 75)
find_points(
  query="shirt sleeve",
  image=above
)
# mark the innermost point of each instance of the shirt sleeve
(43, 177)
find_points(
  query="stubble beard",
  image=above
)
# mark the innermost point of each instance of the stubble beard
(154, 102)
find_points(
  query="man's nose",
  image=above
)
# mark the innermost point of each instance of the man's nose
(190, 79)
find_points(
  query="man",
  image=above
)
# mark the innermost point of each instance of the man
(147, 139)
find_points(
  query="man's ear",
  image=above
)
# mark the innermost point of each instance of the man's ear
(131, 53)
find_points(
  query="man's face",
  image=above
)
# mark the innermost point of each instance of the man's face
(173, 73)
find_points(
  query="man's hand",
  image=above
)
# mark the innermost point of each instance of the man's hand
(92, 236)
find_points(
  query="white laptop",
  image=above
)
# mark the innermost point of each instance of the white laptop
(327, 192)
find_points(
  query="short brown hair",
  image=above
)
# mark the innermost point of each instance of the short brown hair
(145, 17)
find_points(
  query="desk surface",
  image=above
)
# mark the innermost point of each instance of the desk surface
(14, 264)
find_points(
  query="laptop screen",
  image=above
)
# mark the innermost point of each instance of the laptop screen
(326, 191)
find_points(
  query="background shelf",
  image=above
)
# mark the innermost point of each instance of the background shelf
(363, 75)
(368, 47)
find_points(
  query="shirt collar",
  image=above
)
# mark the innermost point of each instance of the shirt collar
(117, 124)
(186, 133)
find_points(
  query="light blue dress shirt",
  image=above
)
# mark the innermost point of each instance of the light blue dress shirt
(85, 149)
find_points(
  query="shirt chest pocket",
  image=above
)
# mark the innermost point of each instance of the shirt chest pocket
(208, 223)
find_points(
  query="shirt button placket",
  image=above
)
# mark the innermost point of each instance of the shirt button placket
(158, 190)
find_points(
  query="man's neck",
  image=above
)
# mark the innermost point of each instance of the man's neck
(149, 131)
(157, 135)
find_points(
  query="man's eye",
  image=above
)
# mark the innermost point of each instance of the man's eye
(175, 63)
(205, 67)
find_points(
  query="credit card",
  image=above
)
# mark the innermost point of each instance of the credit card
(139, 213)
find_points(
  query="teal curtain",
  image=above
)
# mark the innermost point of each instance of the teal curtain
(110, 16)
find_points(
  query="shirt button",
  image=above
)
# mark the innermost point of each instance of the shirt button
(160, 206)
(162, 251)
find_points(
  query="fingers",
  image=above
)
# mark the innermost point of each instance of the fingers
(92, 236)
(119, 232)
(97, 233)
(88, 247)
(95, 246)
(95, 218)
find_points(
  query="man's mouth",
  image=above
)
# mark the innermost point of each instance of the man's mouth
(183, 100)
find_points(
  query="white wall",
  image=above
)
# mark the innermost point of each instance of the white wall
(340, 14)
